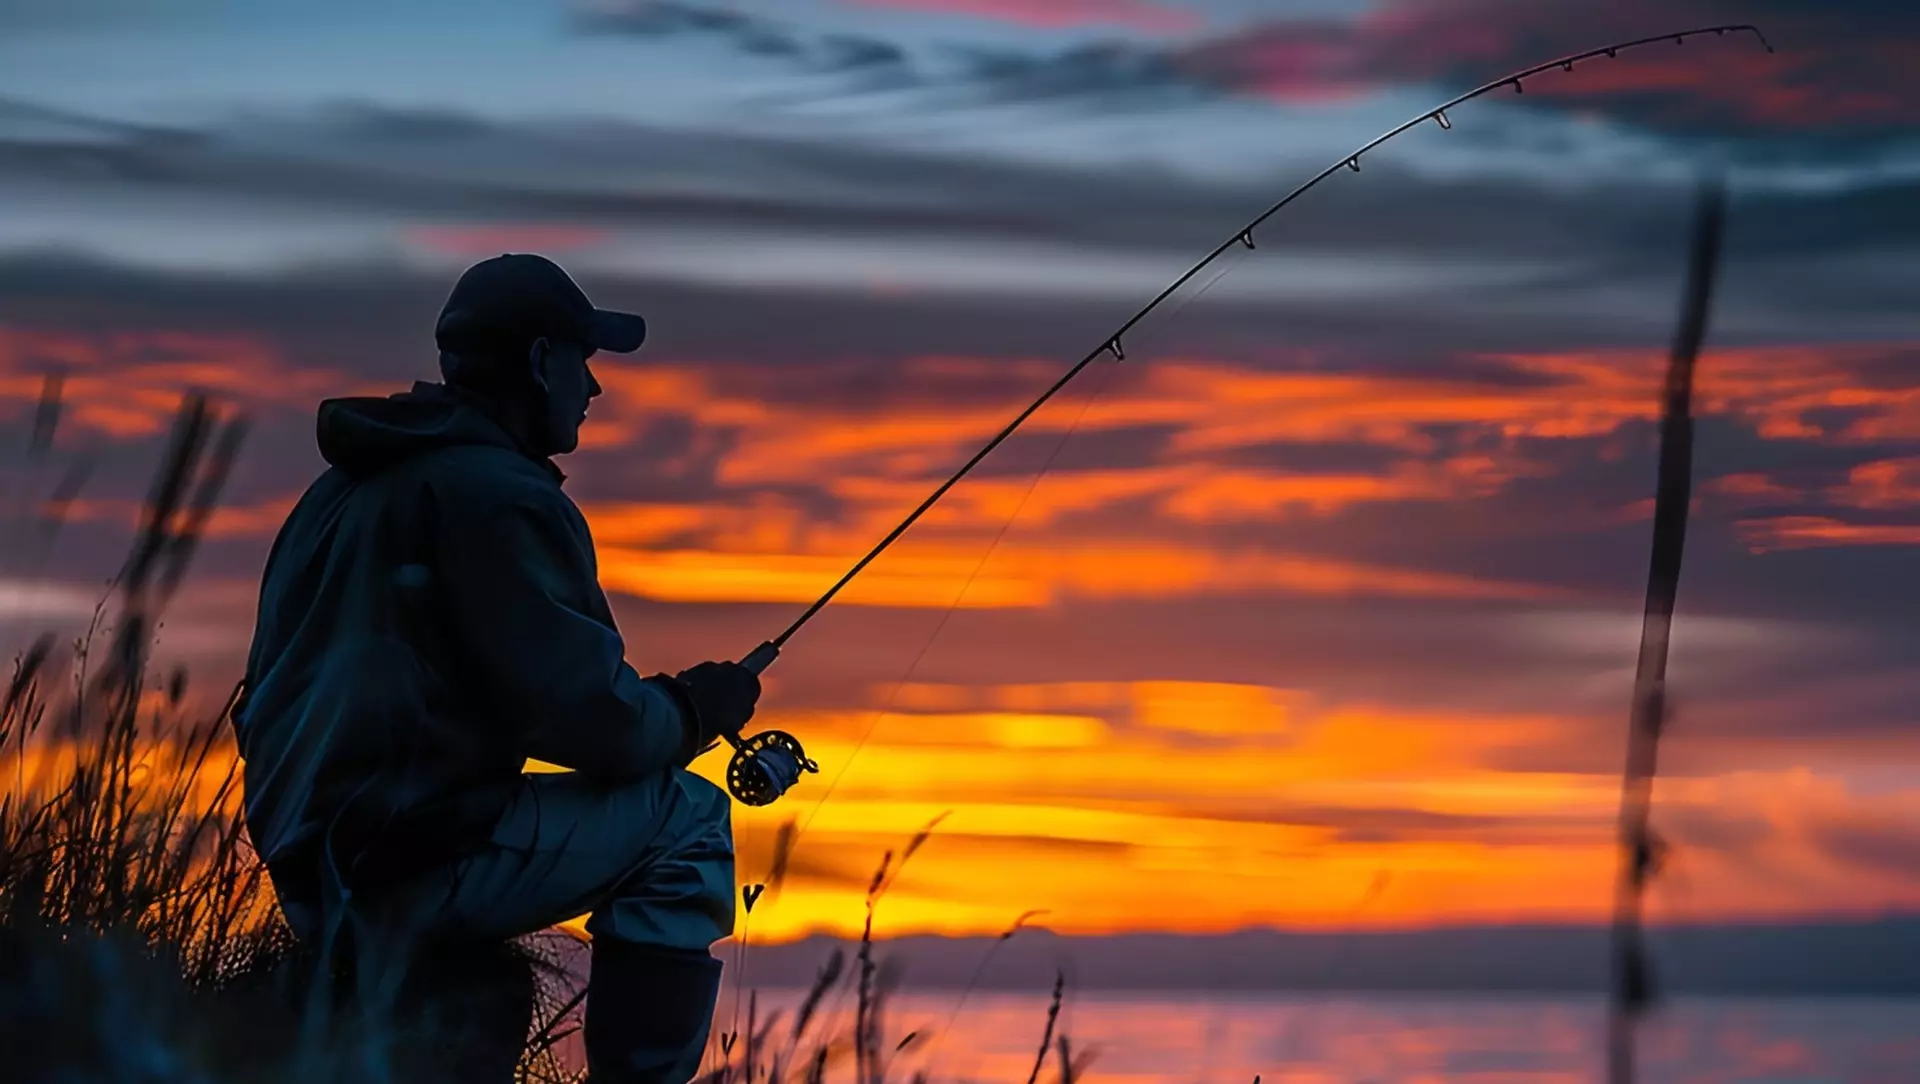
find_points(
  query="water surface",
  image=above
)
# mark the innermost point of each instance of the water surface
(1440, 1039)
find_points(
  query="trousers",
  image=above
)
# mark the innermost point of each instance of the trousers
(651, 865)
(649, 862)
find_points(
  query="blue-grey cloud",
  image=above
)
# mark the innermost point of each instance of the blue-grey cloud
(1840, 83)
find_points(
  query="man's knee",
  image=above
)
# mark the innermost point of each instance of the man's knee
(712, 809)
(683, 898)
(705, 860)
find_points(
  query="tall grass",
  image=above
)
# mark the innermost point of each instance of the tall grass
(139, 935)
(124, 869)
(812, 1045)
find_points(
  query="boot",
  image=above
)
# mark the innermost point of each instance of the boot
(648, 1013)
(471, 1006)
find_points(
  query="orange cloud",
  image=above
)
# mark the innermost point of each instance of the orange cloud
(1882, 484)
(1750, 489)
(1104, 810)
(1030, 576)
(762, 523)
(129, 385)
(1809, 532)
(1451, 439)
(781, 432)
(1193, 493)
(226, 521)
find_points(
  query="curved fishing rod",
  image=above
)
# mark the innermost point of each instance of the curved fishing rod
(767, 764)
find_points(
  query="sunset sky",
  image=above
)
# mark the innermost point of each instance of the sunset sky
(1326, 610)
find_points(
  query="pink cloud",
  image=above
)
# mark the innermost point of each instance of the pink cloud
(487, 239)
(1138, 14)
(1829, 69)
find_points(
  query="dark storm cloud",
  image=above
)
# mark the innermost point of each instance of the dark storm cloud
(436, 163)
(1110, 75)
(1104, 73)
(407, 167)
(665, 18)
(876, 63)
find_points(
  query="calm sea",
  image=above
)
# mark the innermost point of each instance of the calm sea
(1286, 1039)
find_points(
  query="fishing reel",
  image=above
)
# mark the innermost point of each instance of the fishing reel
(766, 766)
(769, 763)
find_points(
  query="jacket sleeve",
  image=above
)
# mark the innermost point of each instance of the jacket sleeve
(522, 589)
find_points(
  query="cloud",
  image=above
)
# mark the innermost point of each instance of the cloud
(1292, 827)
(952, 73)
(479, 242)
(227, 520)
(1880, 845)
(1855, 507)
(1137, 14)
(1882, 484)
(1842, 72)
(131, 385)
(790, 473)
(25, 600)
(346, 191)
(1445, 437)
(1839, 69)
(859, 61)
(1026, 576)
(662, 18)
(1807, 532)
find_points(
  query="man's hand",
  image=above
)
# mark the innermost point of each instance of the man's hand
(722, 695)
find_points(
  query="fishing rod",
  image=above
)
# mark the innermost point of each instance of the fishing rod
(767, 764)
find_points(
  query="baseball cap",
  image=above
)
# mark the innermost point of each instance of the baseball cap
(515, 298)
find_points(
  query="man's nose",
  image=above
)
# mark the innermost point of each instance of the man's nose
(593, 385)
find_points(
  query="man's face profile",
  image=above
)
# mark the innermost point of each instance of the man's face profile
(567, 386)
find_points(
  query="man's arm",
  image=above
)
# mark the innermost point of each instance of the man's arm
(525, 605)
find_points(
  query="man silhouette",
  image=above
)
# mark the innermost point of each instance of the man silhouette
(430, 618)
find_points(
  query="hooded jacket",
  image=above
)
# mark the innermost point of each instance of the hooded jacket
(430, 617)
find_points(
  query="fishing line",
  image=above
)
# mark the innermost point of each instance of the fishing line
(1153, 336)
(998, 537)
(741, 957)
(900, 686)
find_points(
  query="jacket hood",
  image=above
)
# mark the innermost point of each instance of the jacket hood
(365, 435)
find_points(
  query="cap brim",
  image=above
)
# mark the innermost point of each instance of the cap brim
(618, 332)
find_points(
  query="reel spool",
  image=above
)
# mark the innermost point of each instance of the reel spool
(765, 766)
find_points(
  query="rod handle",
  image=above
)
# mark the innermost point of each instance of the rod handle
(757, 661)
(761, 657)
